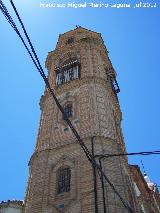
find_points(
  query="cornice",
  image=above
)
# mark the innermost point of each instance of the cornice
(76, 46)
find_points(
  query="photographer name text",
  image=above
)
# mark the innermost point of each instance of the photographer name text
(98, 5)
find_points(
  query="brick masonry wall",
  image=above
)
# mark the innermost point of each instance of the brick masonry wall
(96, 112)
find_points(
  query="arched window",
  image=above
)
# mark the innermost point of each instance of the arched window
(63, 180)
(68, 110)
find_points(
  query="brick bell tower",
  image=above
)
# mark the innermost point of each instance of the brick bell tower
(61, 179)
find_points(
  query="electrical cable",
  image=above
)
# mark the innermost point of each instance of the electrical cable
(6, 14)
(85, 149)
(13, 25)
(25, 32)
(40, 70)
(132, 153)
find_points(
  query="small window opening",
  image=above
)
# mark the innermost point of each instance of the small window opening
(70, 40)
(68, 111)
(63, 180)
(67, 74)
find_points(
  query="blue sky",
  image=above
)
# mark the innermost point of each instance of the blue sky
(132, 38)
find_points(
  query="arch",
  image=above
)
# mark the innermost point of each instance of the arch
(69, 193)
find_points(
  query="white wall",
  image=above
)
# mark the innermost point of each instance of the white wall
(10, 210)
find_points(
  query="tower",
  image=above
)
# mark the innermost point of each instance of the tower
(61, 179)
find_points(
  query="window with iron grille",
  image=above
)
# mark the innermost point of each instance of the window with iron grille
(113, 81)
(63, 180)
(68, 73)
(68, 110)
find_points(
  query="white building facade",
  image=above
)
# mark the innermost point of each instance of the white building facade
(11, 206)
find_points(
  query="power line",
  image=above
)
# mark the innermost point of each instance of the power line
(132, 153)
(28, 39)
(13, 25)
(40, 70)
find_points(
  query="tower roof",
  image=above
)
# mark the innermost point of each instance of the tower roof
(80, 33)
(80, 29)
